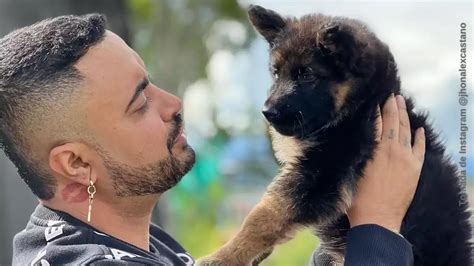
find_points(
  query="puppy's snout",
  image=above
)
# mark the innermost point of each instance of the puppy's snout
(271, 114)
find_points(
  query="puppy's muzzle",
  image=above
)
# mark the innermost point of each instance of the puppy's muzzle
(271, 114)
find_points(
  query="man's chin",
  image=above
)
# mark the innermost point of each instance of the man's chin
(186, 157)
(191, 158)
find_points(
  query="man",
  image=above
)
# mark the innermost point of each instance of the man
(98, 144)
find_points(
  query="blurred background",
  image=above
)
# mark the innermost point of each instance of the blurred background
(207, 53)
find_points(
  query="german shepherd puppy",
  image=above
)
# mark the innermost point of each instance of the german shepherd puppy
(330, 74)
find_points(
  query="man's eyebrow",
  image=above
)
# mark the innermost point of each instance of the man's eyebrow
(138, 89)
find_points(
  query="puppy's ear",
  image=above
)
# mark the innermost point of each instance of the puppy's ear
(333, 39)
(267, 22)
(339, 43)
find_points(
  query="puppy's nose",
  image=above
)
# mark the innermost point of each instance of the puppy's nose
(271, 114)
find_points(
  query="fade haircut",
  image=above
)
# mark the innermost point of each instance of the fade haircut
(39, 87)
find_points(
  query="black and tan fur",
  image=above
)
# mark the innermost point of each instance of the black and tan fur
(330, 74)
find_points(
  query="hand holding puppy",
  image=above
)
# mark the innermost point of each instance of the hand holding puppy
(391, 178)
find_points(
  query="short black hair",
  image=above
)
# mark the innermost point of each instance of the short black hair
(37, 81)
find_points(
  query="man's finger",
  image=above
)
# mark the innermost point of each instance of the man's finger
(390, 119)
(419, 145)
(378, 124)
(404, 132)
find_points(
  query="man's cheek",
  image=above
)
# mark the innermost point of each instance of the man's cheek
(155, 133)
(152, 143)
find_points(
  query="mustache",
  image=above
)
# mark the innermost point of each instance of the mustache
(176, 129)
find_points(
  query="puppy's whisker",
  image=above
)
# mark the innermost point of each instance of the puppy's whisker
(302, 123)
(295, 125)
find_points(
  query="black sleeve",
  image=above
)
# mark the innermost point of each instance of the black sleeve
(371, 244)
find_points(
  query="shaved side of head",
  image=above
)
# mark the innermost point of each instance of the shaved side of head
(40, 92)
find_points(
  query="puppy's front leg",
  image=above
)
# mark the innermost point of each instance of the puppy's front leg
(268, 223)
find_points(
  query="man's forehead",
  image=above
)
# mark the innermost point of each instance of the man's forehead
(111, 47)
(111, 70)
(119, 41)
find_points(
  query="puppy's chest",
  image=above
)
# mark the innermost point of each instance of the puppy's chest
(288, 149)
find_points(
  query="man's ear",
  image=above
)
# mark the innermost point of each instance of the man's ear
(67, 160)
(267, 22)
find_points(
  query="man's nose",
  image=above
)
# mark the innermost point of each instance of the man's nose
(170, 105)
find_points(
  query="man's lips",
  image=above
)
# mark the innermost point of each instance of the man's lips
(180, 133)
(177, 134)
(180, 140)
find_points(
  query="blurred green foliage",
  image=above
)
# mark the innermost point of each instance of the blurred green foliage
(170, 35)
(296, 252)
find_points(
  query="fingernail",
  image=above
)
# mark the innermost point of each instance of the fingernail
(401, 101)
(422, 130)
(392, 95)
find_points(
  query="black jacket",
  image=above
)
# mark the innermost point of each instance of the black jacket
(55, 238)
(371, 245)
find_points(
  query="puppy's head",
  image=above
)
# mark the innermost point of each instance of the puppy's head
(321, 66)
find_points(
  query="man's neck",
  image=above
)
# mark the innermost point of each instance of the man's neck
(128, 220)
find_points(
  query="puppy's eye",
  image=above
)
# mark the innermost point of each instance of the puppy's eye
(306, 75)
(275, 73)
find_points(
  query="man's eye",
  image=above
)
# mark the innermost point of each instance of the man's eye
(145, 106)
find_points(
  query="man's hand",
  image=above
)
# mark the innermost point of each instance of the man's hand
(389, 183)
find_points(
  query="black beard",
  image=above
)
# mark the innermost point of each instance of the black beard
(154, 178)
(151, 179)
(177, 125)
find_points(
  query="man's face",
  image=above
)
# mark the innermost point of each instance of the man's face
(135, 125)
